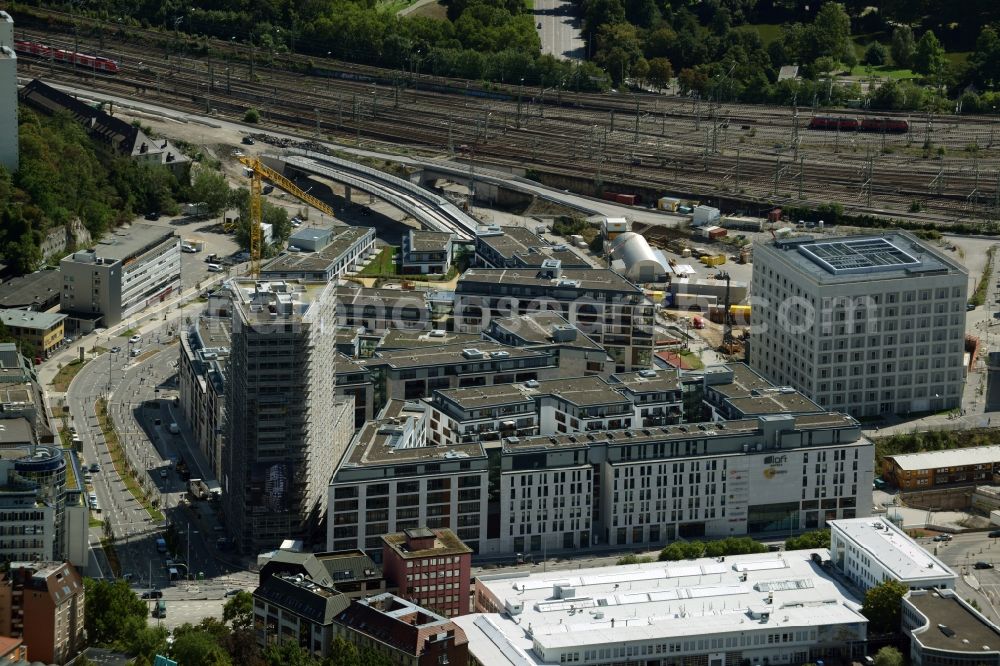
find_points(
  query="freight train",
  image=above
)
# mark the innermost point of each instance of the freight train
(835, 123)
(94, 63)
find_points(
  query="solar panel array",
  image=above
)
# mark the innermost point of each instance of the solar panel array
(859, 256)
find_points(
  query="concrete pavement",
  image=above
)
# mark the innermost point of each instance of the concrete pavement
(560, 29)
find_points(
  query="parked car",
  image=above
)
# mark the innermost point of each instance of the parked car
(95, 468)
(191, 249)
(134, 339)
(136, 351)
(153, 217)
(970, 306)
(115, 349)
(942, 537)
(982, 565)
(248, 140)
(215, 268)
(995, 534)
(174, 429)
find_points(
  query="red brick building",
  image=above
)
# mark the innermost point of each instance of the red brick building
(404, 632)
(431, 567)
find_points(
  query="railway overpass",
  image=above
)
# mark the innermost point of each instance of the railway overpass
(432, 211)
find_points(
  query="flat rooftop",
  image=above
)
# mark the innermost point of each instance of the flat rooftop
(953, 625)
(397, 338)
(853, 258)
(343, 240)
(543, 328)
(29, 319)
(619, 604)
(380, 443)
(973, 455)
(261, 300)
(32, 289)
(896, 551)
(132, 241)
(656, 434)
(579, 391)
(649, 381)
(753, 395)
(449, 354)
(429, 241)
(445, 543)
(594, 279)
(350, 293)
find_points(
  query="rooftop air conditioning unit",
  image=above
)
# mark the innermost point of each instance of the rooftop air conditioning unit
(531, 383)
(472, 353)
(647, 373)
(437, 333)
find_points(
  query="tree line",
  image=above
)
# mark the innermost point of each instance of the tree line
(116, 618)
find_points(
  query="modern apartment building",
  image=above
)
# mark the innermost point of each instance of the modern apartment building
(392, 480)
(870, 551)
(293, 608)
(600, 303)
(351, 571)
(201, 368)
(285, 430)
(945, 630)
(862, 324)
(426, 252)
(9, 147)
(517, 247)
(336, 252)
(638, 487)
(43, 604)
(431, 568)
(123, 274)
(379, 310)
(549, 328)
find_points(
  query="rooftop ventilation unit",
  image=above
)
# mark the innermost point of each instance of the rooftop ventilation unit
(500, 354)
(647, 373)
(472, 353)
(531, 383)
(436, 333)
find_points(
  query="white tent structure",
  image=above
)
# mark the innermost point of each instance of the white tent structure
(633, 258)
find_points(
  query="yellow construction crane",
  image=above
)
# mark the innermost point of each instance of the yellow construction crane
(259, 172)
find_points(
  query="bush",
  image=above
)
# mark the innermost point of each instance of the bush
(809, 540)
(251, 116)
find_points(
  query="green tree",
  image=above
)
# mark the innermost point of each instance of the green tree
(210, 188)
(876, 54)
(809, 540)
(929, 57)
(251, 116)
(288, 653)
(238, 611)
(197, 647)
(831, 31)
(112, 611)
(985, 60)
(660, 72)
(883, 605)
(888, 656)
(902, 46)
(146, 642)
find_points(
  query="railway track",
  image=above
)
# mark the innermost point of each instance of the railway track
(762, 155)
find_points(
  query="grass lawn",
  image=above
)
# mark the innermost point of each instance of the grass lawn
(95, 522)
(691, 360)
(394, 6)
(70, 472)
(884, 72)
(769, 32)
(958, 57)
(382, 265)
(66, 374)
(529, 5)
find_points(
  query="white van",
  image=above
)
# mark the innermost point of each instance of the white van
(215, 268)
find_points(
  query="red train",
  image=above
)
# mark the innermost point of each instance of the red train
(90, 62)
(834, 123)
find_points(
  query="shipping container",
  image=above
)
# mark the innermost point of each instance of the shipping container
(668, 204)
(774, 215)
(705, 215)
(717, 232)
(627, 199)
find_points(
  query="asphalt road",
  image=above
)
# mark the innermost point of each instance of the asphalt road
(961, 554)
(560, 29)
(134, 384)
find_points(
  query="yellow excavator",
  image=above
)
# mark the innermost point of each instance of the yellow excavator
(260, 172)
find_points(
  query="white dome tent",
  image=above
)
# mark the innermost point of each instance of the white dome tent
(633, 257)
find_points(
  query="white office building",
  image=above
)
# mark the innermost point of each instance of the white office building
(866, 325)
(872, 550)
(123, 274)
(775, 608)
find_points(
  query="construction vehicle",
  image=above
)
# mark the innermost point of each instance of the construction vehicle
(259, 172)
